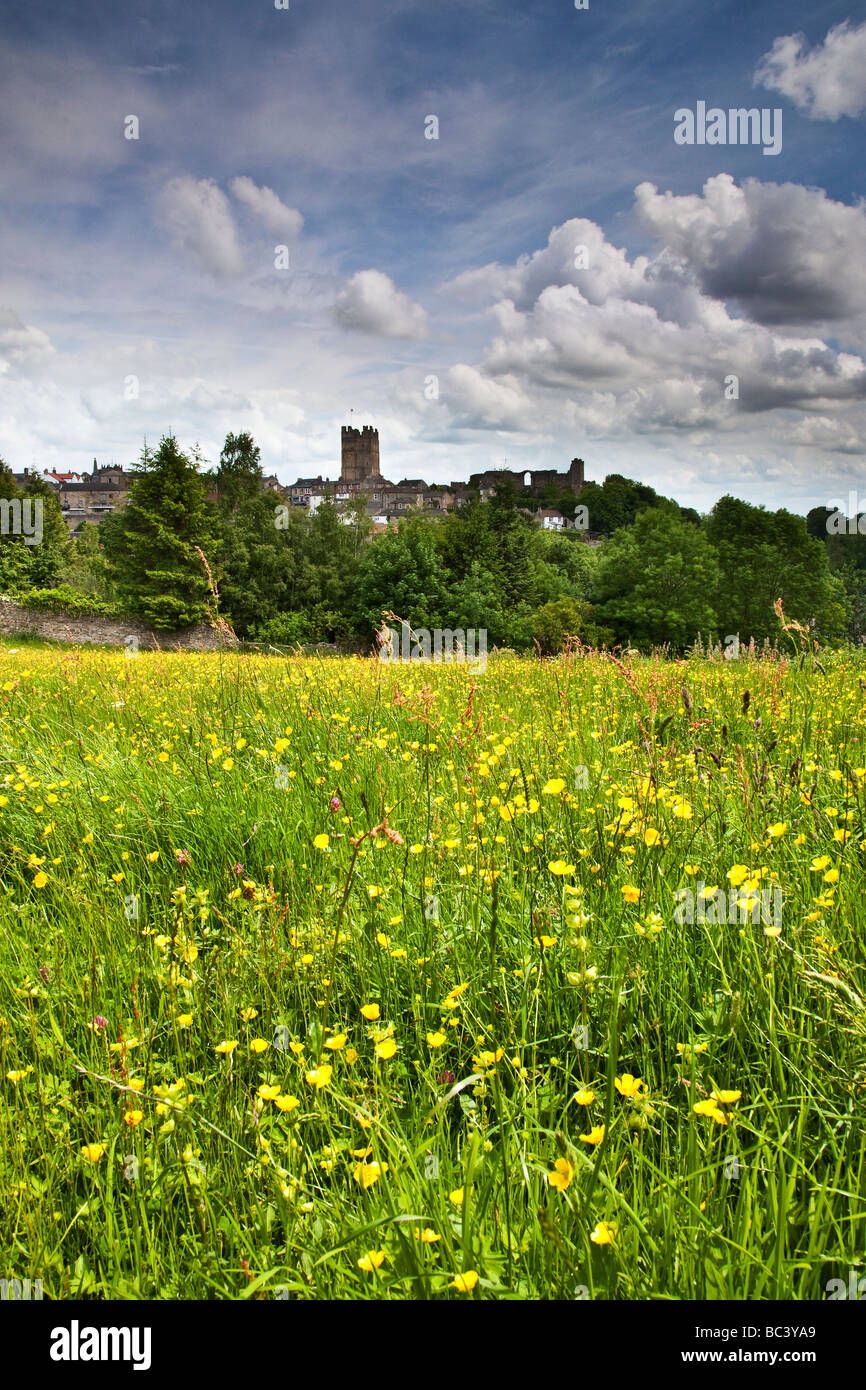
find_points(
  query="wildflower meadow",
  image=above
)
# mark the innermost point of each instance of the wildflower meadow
(334, 978)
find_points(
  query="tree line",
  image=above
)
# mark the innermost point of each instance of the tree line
(193, 541)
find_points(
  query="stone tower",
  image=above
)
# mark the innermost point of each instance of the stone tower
(360, 454)
(575, 476)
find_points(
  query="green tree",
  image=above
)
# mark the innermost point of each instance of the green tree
(261, 556)
(35, 543)
(764, 556)
(155, 564)
(401, 572)
(86, 569)
(555, 621)
(239, 474)
(655, 578)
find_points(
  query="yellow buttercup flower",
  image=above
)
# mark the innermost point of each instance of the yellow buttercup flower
(373, 1260)
(370, 1012)
(553, 787)
(627, 1085)
(465, 1282)
(368, 1174)
(562, 1174)
(319, 1077)
(595, 1136)
(603, 1234)
(710, 1109)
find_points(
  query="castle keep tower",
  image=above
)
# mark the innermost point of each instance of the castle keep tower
(360, 454)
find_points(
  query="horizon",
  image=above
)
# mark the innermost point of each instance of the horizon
(855, 503)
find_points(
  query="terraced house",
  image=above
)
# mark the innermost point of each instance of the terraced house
(85, 496)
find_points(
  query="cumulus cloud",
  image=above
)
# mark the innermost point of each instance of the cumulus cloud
(20, 343)
(787, 254)
(478, 399)
(198, 216)
(371, 303)
(587, 339)
(271, 211)
(819, 431)
(827, 81)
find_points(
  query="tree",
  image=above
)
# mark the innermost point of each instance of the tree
(239, 474)
(655, 579)
(262, 554)
(564, 617)
(155, 563)
(764, 556)
(401, 572)
(35, 543)
(86, 570)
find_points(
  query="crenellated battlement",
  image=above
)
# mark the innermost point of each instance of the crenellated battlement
(359, 453)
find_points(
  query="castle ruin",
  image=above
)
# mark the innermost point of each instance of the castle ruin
(359, 457)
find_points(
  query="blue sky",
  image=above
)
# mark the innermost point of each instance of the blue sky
(434, 286)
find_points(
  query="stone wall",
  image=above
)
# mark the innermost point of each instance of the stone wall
(108, 632)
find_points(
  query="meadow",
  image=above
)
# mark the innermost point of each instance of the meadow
(331, 979)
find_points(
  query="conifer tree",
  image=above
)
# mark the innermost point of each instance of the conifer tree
(156, 567)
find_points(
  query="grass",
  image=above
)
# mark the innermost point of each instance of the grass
(500, 873)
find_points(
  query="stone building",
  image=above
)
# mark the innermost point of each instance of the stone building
(102, 491)
(84, 496)
(359, 454)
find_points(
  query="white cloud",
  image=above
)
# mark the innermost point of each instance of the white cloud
(827, 82)
(615, 348)
(478, 399)
(371, 303)
(199, 218)
(271, 211)
(20, 343)
(786, 254)
(819, 431)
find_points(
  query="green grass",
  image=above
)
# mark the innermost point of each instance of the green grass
(446, 810)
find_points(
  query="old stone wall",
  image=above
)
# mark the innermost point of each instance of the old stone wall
(110, 632)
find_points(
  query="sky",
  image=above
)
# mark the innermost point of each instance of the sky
(476, 226)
